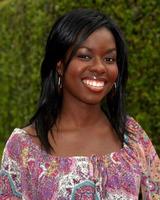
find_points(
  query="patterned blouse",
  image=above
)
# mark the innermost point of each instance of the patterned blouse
(28, 172)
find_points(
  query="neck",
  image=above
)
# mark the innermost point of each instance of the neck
(78, 115)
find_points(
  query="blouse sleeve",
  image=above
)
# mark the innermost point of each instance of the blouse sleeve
(149, 163)
(10, 175)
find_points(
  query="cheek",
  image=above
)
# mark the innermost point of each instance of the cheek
(113, 73)
(72, 73)
(75, 68)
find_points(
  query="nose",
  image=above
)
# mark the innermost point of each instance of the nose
(98, 66)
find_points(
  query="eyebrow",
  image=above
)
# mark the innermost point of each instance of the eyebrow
(110, 50)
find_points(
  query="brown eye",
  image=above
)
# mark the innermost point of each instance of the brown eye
(109, 60)
(84, 57)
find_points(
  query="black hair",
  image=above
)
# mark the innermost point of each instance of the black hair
(68, 32)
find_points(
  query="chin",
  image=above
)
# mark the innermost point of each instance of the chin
(93, 101)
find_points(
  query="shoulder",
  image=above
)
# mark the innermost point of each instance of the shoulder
(135, 129)
(139, 139)
(16, 143)
(132, 125)
(31, 132)
(137, 134)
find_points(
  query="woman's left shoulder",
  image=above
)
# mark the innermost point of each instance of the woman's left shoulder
(135, 129)
(138, 137)
(136, 132)
(133, 126)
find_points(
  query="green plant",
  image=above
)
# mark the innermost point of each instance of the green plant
(24, 29)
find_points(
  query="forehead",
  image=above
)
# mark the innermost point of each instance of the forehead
(100, 41)
(101, 37)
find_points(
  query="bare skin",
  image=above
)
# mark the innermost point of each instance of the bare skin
(82, 138)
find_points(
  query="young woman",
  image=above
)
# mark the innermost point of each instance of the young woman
(80, 144)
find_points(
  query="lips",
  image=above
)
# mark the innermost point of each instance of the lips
(94, 85)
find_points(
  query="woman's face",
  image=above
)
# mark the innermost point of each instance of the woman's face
(93, 70)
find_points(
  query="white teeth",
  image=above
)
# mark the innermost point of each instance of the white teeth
(94, 83)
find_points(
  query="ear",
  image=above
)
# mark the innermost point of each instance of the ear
(60, 68)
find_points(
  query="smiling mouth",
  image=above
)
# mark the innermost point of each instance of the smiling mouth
(94, 85)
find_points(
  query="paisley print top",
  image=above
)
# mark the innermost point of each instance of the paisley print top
(28, 172)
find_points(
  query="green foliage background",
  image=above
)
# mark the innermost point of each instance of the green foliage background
(24, 29)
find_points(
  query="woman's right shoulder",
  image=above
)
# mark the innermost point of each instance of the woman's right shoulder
(21, 140)
(17, 136)
(16, 143)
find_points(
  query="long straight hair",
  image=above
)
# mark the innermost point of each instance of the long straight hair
(69, 32)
